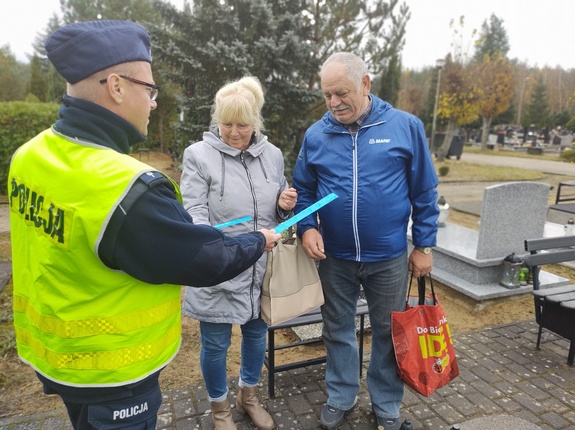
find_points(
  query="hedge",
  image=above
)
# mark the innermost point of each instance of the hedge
(20, 122)
(568, 155)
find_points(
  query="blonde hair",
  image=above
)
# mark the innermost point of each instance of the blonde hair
(239, 102)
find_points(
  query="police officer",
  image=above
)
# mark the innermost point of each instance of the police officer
(100, 240)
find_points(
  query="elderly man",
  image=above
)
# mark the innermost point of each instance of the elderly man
(375, 158)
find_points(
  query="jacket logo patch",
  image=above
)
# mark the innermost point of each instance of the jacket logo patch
(374, 141)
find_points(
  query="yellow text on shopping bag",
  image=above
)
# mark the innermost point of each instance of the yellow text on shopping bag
(433, 340)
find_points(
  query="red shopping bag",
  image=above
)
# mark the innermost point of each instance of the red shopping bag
(423, 344)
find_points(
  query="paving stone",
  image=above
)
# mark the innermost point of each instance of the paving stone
(484, 388)
(554, 420)
(464, 407)
(509, 405)
(529, 403)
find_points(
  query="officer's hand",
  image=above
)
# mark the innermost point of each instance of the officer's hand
(271, 238)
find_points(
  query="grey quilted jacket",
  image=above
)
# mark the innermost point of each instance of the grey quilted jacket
(219, 184)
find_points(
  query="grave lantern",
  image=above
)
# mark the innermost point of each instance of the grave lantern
(443, 211)
(570, 227)
(511, 270)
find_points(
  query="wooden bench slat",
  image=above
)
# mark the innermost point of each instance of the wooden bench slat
(558, 298)
(569, 304)
(554, 290)
(549, 243)
(550, 257)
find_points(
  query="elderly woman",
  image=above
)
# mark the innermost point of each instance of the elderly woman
(234, 172)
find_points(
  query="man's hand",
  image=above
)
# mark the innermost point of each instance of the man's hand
(271, 238)
(420, 264)
(313, 244)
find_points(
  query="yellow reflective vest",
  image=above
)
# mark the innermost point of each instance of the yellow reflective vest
(77, 321)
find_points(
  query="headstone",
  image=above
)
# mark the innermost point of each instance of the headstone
(567, 140)
(511, 213)
(492, 139)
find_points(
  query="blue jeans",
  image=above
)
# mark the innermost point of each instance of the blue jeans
(385, 287)
(216, 339)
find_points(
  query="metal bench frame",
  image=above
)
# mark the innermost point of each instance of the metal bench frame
(558, 198)
(312, 317)
(564, 203)
(554, 307)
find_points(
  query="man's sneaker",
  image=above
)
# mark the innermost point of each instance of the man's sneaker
(393, 424)
(331, 417)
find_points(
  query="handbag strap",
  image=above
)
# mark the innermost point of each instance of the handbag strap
(288, 235)
(421, 289)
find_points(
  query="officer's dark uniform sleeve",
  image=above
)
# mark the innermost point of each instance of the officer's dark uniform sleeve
(156, 241)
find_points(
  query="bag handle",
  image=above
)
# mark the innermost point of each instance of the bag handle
(421, 289)
(288, 235)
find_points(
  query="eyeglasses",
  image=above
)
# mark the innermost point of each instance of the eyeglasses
(154, 89)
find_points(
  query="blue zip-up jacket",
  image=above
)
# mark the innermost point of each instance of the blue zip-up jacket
(381, 176)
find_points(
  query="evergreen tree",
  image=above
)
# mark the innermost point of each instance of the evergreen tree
(538, 107)
(56, 85)
(374, 30)
(426, 114)
(37, 84)
(53, 24)
(390, 80)
(13, 76)
(225, 40)
(562, 118)
(92, 10)
(492, 40)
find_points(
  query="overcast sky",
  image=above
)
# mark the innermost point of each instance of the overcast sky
(540, 33)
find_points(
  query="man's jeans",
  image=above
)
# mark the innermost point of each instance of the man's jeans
(216, 339)
(385, 287)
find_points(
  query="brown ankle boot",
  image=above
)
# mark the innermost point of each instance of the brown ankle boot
(222, 416)
(248, 403)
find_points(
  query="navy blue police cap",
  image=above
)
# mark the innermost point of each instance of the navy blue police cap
(81, 49)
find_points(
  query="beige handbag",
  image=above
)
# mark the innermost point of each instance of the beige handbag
(291, 285)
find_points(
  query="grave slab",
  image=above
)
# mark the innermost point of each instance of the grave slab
(471, 261)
